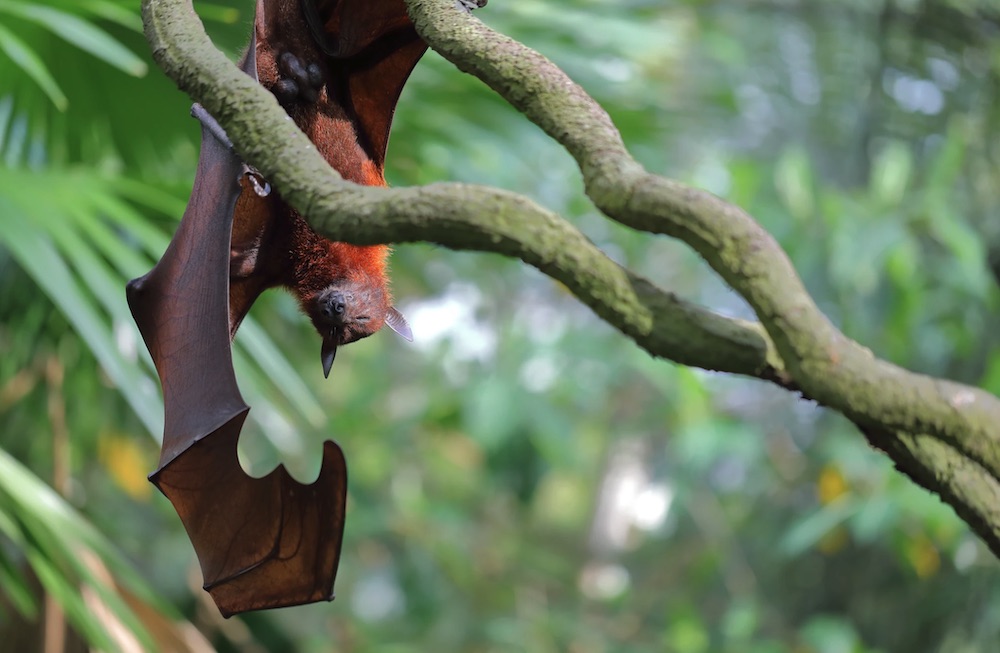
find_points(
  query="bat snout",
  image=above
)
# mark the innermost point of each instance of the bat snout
(334, 306)
(351, 312)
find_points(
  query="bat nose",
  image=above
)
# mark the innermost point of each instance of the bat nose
(335, 305)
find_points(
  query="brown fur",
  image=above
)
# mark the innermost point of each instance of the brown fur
(348, 123)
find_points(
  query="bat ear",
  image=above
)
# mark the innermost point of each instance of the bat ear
(395, 321)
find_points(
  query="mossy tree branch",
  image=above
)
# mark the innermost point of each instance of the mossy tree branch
(944, 435)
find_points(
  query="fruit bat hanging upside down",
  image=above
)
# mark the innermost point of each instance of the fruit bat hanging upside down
(337, 67)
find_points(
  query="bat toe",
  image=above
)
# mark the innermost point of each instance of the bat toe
(300, 82)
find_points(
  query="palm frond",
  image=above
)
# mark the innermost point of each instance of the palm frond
(57, 542)
(78, 31)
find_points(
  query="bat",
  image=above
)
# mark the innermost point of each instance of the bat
(337, 67)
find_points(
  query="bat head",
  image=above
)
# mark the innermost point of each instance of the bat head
(350, 310)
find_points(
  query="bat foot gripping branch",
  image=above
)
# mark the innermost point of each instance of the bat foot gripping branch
(299, 81)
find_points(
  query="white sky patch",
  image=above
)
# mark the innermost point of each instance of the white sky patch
(614, 69)
(629, 500)
(544, 324)
(452, 316)
(913, 94)
(966, 554)
(278, 430)
(377, 596)
(603, 581)
(945, 74)
(651, 505)
(539, 374)
(126, 340)
(713, 175)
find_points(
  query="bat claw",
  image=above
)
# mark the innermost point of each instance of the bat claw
(469, 5)
(259, 184)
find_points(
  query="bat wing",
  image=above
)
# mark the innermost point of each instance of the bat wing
(262, 542)
(372, 47)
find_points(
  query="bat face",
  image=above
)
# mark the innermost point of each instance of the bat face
(345, 312)
(353, 310)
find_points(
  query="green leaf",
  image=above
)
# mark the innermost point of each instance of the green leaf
(793, 178)
(891, 172)
(274, 366)
(687, 634)
(123, 15)
(991, 377)
(947, 164)
(58, 545)
(969, 250)
(876, 516)
(37, 256)
(830, 635)
(740, 621)
(28, 61)
(810, 530)
(82, 34)
(127, 261)
(102, 284)
(488, 412)
(66, 594)
(218, 13)
(16, 589)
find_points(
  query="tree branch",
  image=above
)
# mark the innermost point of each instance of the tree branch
(828, 366)
(458, 216)
(943, 434)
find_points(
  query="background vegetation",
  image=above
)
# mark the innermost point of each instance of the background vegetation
(517, 481)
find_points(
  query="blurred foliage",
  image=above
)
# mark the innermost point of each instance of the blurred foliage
(522, 477)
